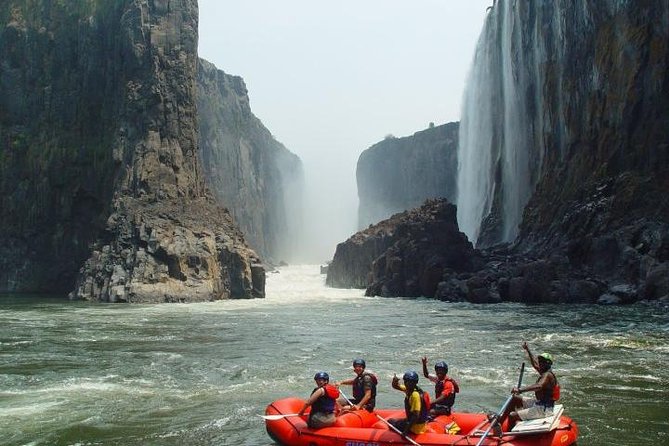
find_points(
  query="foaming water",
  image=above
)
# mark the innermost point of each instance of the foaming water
(174, 374)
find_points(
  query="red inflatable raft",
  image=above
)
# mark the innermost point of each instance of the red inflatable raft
(362, 428)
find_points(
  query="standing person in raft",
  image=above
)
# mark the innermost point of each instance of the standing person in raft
(323, 400)
(416, 405)
(546, 392)
(364, 388)
(445, 388)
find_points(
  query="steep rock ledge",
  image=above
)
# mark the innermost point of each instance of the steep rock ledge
(99, 150)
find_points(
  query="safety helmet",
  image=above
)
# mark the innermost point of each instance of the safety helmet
(359, 361)
(322, 375)
(546, 357)
(441, 365)
(410, 376)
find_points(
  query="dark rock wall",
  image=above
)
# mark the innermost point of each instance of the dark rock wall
(568, 114)
(59, 116)
(397, 174)
(580, 106)
(100, 158)
(251, 173)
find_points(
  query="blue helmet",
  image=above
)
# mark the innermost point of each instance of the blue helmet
(359, 361)
(322, 375)
(441, 365)
(410, 376)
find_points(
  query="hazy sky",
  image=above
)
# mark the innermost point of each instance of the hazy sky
(331, 78)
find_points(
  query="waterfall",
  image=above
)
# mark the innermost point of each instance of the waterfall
(497, 150)
(475, 163)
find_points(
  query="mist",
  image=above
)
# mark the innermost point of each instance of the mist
(331, 80)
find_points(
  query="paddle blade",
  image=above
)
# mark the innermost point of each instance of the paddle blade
(278, 416)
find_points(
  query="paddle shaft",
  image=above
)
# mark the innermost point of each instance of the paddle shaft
(279, 416)
(503, 409)
(387, 423)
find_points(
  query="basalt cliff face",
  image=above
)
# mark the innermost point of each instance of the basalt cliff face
(100, 181)
(249, 171)
(563, 155)
(568, 111)
(398, 174)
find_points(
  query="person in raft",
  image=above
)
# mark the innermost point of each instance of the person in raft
(323, 400)
(445, 388)
(416, 405)
(364, 388)
(546, 392)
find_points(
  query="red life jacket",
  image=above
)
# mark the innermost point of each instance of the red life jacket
(331, 391)
(552, 394)
(325, 403)
(439, 389)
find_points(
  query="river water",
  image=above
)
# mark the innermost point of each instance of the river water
(199, 374)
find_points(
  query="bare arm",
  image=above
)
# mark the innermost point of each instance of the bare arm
(366, 397)
(426, 374)
(541, 384)
(312, 399)
(533, 360)
(396, 383)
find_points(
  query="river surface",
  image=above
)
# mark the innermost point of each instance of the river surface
(74, 373)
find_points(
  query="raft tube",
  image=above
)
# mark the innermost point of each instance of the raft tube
(363, 428)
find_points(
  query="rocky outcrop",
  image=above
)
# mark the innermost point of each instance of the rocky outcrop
(100, 158)
(398, 174)
(405, 255)
(421, 252)
(251, 173)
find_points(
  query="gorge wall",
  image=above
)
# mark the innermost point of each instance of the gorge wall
(566, 103)
(398, 174)
(100, 185)
(564, 155)
(251, 173)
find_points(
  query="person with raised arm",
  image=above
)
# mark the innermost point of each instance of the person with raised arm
(416, 405)
(445, 388)
(546, 391)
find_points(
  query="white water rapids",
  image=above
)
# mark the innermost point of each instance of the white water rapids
(84, 374)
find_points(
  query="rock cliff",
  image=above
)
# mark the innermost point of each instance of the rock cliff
(251, 173)
(566, 116)
(564, 155)
(398, 174)
(99, 154)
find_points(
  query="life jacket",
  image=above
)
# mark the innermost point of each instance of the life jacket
(439, 388)
(556, 389)
(424, 405)
(359, 388)
(552, 393)
(325, 403)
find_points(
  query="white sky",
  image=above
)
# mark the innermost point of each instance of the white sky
(331, 78)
